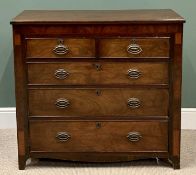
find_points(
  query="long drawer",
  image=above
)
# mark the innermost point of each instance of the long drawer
(100, 136)
(98, 102)
(92, 73)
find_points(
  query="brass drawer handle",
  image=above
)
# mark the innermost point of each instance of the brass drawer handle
(133, 103)
(61, 49)
(61, 74)
(62, 103)
(134, 136)
(134, 49)
(63, 136)
(134, 73)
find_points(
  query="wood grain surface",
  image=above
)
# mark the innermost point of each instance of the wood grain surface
(150, 47)
(98, 40)
(43, 47)
(86, 73)
(86, 137)
(110, 102)
(97, 16)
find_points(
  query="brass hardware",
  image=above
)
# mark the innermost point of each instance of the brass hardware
(61, 49)
(98, 92)
(63, 136)
(134, 73)
(98, 125)
(61, 74)
(62, 103)
(97, 66)
(134, 136)
(133, 103)
(134, 48)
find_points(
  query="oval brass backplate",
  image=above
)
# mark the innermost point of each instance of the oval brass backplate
(134, 136)
(63, 136)
(134, 49)
(134, 73)
(61, 49)
(61, 74)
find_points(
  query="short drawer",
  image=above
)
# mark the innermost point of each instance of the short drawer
(92, 73)
(60, 48)
(98, 102)
(134, 47)
(98, 136)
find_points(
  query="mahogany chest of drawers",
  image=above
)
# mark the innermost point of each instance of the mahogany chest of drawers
(98, 86)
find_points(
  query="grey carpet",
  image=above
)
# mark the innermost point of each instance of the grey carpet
(9, 166)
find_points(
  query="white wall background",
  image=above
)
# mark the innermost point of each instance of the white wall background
(8, 118)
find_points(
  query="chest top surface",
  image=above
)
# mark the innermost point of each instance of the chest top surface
(97, 16)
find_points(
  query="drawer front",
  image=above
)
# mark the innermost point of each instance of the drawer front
(60, 48)
(98, 102)
(89, 73)
(103, 136)
(134, 47)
